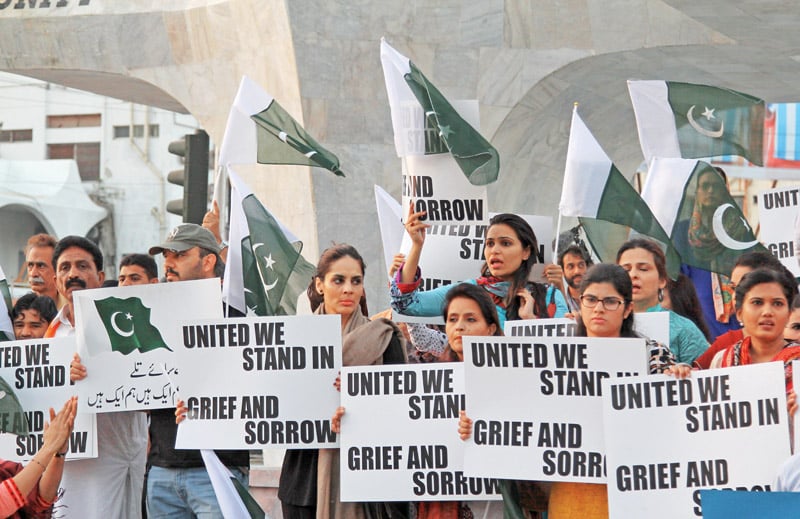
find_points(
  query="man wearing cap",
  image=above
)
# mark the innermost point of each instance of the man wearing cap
(178, 484)
(111, 484)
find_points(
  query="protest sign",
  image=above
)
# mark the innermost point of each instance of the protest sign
(540, 328)
(776, 209)
(454, 253)
(126, 337)
(652, 325)
(399, 439)
(38, 372)
(668, 439)
(261, 382)
(535, 404)
(390, 219)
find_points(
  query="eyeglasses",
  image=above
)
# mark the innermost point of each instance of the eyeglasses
(609, 303)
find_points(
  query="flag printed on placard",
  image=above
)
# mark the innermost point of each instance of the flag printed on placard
(265, 272)
(127, 322)
(685, 120)
(705, 224)
(595, 189)
(12, 416)
(260, 130)
(6, 326)
(435, 126)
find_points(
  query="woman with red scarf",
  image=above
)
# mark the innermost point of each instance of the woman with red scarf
(763, 306)
(510, 248)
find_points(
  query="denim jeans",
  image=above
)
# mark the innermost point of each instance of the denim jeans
(184, 493)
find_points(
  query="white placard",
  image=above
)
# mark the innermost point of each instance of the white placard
(38, 372)
(535, 404)
(541, 328)
(454, 253)
(271, 385)
(777, 208)
(652, 325)
(668, 439)
(399, 438)
(126, 338)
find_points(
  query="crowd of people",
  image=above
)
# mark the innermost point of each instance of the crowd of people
(138, 471)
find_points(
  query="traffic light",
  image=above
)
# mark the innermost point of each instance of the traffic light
(193, 177)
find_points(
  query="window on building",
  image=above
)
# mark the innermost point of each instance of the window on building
(73, 121)
(121, 132)
(16, 135)
(86, 154)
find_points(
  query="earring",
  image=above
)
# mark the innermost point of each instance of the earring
(660, 295)
(320, 292)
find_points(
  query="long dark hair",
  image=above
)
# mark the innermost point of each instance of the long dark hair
(683, 301)
(619, 278)
(329, 257)
(479, 295)
(527, 238)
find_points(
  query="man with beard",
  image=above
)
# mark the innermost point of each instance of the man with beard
(111, 484)
(178, 484)
(572, 264)
(39, 262)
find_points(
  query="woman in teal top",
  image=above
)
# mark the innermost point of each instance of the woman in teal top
(510, 251)
(646, 264)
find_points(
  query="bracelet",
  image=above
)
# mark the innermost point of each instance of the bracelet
(44, 467)
(62, 454)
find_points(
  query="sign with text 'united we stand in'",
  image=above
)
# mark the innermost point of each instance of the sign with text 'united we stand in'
(777, 209)
(399, 439)
(127, 337)
(38, 372)
(261, 382)
(535, 404)
(668, 439)
(562, 327)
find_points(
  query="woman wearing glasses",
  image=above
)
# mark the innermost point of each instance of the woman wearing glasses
(606, 311)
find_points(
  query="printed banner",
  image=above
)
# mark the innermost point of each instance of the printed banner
(399, 438)
(535, 404)
(127, 337)
(541, 328)
(668, 439)
(777, 208)
(454, 253)
(38, 371)
(271, 385)
(652, 325)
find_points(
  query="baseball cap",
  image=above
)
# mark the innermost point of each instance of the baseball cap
(184, 237)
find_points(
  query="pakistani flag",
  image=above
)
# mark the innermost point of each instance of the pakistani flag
(696, 121)
(436, 127)
(390, 219)
(234, 500)
(12, 416)
(260, 130)
(595, 189)
(6, 326)
(704, 223)
(127, 322)
(265, 272)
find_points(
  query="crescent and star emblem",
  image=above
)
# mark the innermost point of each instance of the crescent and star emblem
(722, 235)
(268, 264)
(116, 327)
(709, 115)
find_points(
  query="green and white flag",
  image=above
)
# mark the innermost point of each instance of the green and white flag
(434, 126)
(235, 501)
(595, 189)
(265, 272)
(260, 130)
(127, 322)
(691, 201)
(697, 121)
(6, 326)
